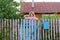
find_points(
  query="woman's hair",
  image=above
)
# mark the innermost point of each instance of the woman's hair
(31, 13)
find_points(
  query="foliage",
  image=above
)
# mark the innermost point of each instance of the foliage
(21, 15)
(49, 16)
(8, 9)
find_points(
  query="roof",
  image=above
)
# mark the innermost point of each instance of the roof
(41, 7)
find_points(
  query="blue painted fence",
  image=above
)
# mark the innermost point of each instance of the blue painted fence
(29, 29)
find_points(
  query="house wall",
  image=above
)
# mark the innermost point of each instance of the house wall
(59, 15)
(38, 15)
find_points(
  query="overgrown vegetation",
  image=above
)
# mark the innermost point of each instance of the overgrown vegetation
(51, 16)
(8, 9)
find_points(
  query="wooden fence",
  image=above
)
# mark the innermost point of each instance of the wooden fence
(25, 29)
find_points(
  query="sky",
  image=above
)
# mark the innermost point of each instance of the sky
(40, 0)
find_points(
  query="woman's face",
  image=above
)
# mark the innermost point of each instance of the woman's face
(31, 14)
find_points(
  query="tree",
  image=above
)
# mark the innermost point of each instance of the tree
(8, 9)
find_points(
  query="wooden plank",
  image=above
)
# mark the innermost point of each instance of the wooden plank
(38, 29)
(18, 29)
(34, 29)
(21, 30)
(26, 29)
(29, 30)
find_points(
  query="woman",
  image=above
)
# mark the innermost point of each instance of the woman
(32, 21)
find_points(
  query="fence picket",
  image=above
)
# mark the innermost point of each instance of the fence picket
(51, 29)
(21, 30)
(18, 29)
(38, 30)
(26, 29)
(29, 30)
(34, 29)
(43, 31)
(59, 27)
(10, 30)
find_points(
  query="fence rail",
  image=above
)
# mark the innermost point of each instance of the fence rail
(24, 29)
